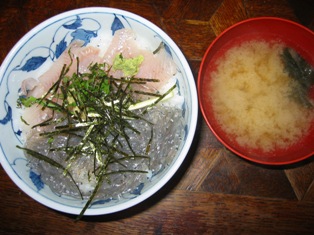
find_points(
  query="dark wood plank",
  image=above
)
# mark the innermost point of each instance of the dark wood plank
(214, 192)
(280, 8)
(191, 213)
(10, 35)
(229, 13)
(302, 180)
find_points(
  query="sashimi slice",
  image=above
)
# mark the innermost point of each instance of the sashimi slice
(155, 66)
(38, 88)
(86, 56)
(33, 116)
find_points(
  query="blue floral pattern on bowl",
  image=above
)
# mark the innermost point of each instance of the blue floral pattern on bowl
(34, 54)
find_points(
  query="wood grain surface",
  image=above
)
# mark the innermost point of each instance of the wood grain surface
(215, 191)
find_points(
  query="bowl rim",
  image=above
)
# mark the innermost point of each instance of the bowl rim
(189, 136)
(200, 95)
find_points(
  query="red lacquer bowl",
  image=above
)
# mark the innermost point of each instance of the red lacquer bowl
(266, 28)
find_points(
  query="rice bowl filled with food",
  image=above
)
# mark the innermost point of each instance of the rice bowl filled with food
(100, 110)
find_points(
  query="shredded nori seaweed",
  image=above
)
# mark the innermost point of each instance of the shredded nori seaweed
(301, 72)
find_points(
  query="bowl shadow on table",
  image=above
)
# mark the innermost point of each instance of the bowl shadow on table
(299, 164)
(157, 197)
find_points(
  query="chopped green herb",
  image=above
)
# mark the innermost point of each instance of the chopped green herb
(27, 101)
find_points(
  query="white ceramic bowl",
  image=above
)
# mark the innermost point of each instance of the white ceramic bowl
(92, 25)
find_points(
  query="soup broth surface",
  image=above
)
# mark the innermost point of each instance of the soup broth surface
(250, 94)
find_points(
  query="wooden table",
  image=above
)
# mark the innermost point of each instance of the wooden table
(214, 192)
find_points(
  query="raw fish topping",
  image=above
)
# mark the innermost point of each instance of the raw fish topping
(99, 126)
